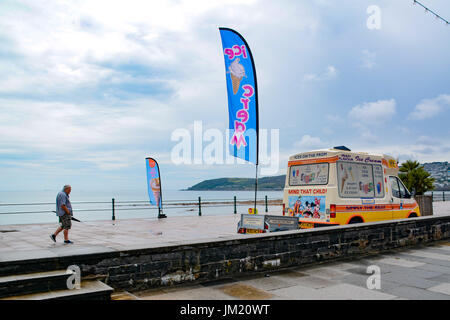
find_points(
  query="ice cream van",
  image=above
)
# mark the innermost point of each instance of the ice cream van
(338, 186)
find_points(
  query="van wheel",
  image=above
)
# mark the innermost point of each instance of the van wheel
(356, 220)
(413, 215)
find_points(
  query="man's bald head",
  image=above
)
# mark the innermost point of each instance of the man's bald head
(67, 188)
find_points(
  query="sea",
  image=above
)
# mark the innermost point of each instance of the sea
(32, 207)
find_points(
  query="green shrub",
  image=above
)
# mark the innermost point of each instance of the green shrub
(415, 177)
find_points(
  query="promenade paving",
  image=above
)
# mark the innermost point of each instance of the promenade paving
(97, 236)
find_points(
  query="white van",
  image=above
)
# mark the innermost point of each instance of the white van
(337, 186)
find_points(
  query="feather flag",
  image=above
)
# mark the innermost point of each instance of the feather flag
(242, 96)
(154, 183)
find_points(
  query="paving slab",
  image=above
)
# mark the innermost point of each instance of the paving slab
(196, 293)
(342, 291)
(441, 288)
(345, 291)
(269, 283)
(413, 293)
(326, 272)
(435, 268)
(400, 262)
(314, 282)
(20, 255)
(359, 280)
(444, 247)
(403, 279)
(299, 292)
(441, 278)
(428, 260)
(344, 266)
(393, 271)
(429, 255)
(70, 250)
(244, 291)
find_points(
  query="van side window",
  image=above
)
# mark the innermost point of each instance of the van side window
(395, 188)
(403, 191)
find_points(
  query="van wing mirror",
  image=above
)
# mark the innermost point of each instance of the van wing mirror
(413, 193)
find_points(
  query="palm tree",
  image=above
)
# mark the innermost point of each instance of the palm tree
(415, 177)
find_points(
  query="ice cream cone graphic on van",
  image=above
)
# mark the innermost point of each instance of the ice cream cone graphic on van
(344, 177)
(237, 72)
(351, 173)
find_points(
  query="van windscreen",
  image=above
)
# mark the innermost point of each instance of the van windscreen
(309, 174)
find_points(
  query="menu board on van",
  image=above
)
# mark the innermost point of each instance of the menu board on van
(309, 174)
(355, 180)
(378, 181)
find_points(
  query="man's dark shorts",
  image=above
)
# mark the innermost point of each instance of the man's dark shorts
(65, 221)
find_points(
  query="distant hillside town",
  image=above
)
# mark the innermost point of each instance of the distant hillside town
(440, 172)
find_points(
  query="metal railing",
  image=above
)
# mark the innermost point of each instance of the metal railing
(115, 206)
(440, 196)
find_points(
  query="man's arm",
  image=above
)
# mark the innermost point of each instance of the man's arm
(65, 209)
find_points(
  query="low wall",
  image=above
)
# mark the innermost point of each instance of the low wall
(425, 205)
(202, 261)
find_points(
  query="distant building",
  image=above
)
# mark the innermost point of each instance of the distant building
(440, 171)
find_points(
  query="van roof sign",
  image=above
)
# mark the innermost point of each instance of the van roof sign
(343, 148)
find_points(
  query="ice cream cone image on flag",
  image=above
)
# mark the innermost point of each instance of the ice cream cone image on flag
(155, 186)
(237, 72)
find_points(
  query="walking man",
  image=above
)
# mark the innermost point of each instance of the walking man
(64, 212)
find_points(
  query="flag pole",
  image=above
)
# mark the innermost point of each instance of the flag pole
(256, 186)
(160, 209)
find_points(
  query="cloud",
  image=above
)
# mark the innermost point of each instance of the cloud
(368, 59)
(373, 113)
(309, 142)
(330, 73)
(91, 134)
(334, 118)
(65, 48)
(423, 149)
(427, 141)
(429, 108)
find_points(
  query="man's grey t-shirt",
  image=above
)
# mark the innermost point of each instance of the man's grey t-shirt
(62, 198)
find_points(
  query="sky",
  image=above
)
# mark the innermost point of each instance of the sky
(88, 89)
